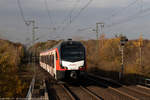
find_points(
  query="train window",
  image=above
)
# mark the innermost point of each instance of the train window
(46, 59)
(50, 61)
(42, 59)
(53, 61)
(56, 56)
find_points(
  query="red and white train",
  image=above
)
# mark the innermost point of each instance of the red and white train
(67, 59)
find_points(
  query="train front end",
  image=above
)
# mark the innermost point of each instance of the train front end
(73, 59)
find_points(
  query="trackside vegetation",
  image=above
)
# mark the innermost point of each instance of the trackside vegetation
(12, 70)
(107, 62)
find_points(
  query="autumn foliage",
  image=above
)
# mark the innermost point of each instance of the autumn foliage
(11, 55)
(107, 57)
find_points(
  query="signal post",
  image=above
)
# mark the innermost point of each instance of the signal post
(123, 40)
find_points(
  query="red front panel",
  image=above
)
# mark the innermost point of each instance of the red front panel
(58, 67)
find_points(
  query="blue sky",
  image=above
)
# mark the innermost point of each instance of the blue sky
(130, 17)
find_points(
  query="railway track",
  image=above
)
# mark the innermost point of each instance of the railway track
(80, 93)
(70, 92)
(65, 91)
(132, 92)
(110, 93)
(94, 88)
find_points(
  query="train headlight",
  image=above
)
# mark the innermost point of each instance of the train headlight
(66, 67)
(63, 67)
(81, 67)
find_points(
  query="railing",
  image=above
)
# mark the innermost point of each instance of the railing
(147, 82)
(29, 94)
(144, 81)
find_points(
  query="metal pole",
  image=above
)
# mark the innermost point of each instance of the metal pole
(97, 37)
(102, 25)
(122, 67)
(33, 32)
(33, 41)
(140, 51)
(123, 40)
(141, 57)
(122, 63)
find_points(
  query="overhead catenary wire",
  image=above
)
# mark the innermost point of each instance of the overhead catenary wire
(81, 10)
(78, 14)
(21, 10)
(115, 13)
(121, 11)
(132, 17)
(69, 15)
(48, 12)
(71, 11)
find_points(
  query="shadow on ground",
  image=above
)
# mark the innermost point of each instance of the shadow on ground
(128, 79)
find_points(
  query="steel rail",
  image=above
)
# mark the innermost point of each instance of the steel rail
(143, 87)
(68, 92)
(90, 93)
(113, 81)
(140, 92)
(114, 89)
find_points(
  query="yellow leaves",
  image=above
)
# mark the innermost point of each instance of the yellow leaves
(11, 86)
(131, 69)
(110, 50)
(10, 56)
(139, 42)
(19, 87)
(136, 44)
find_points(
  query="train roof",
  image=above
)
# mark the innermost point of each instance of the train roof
(63, 43)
